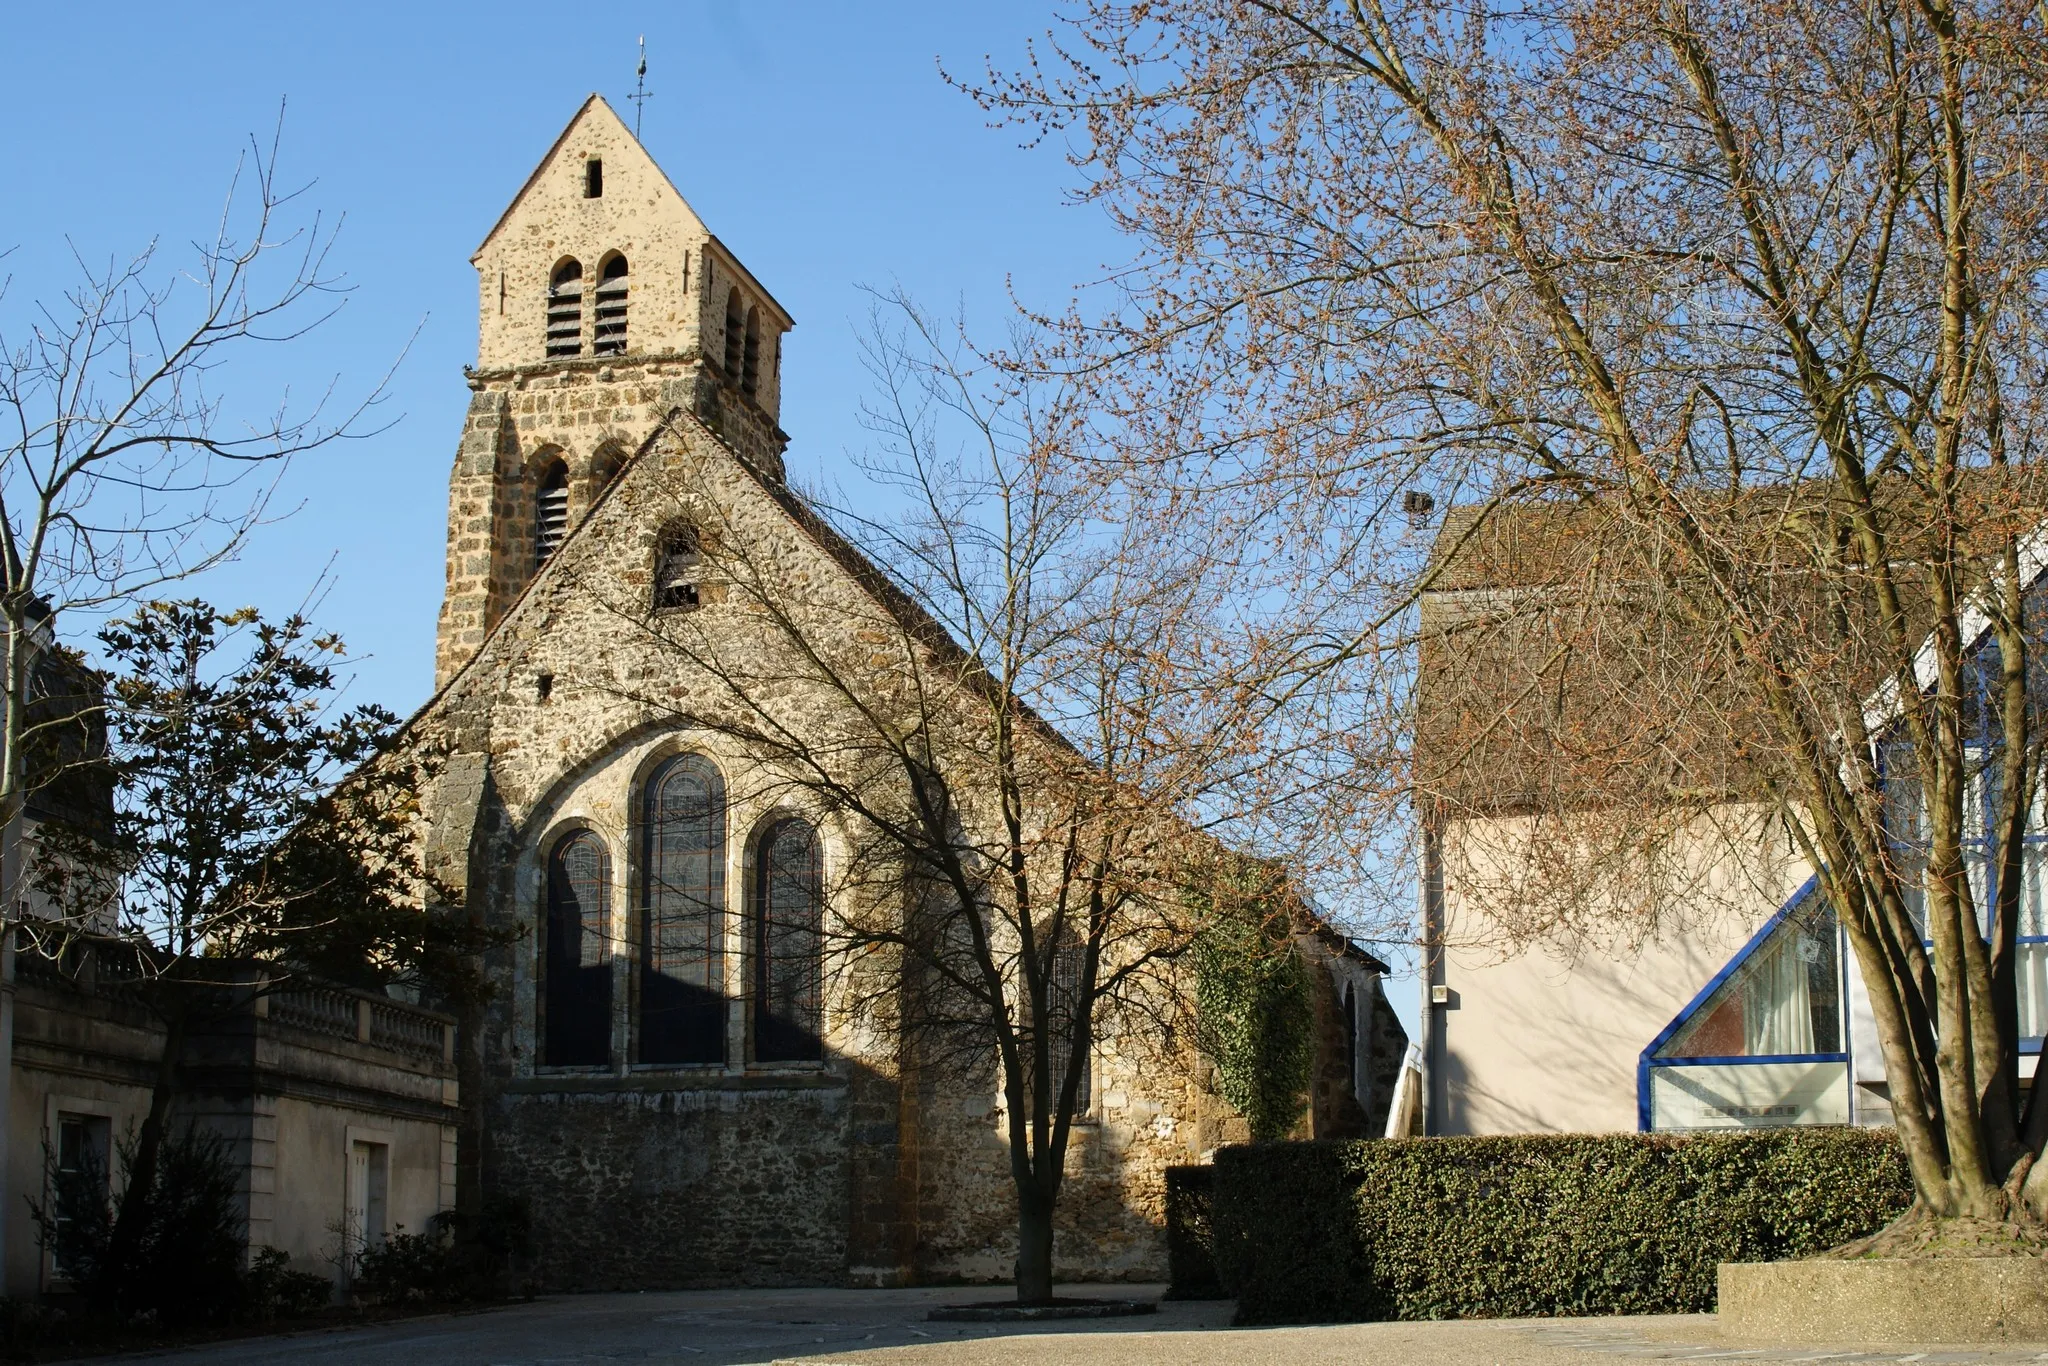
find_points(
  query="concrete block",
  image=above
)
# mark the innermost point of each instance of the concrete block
(1887, 1300)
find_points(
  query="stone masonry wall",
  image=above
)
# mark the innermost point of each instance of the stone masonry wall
(658, 1188)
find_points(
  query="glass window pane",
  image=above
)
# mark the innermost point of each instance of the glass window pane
(788, 923)
(577, 974)
(682, 978)
(1784, 1000)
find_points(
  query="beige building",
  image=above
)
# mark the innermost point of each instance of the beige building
(678, 1095)
(338, 1109)
(1570, 987)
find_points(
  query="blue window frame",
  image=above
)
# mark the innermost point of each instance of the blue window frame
(1766, 1036)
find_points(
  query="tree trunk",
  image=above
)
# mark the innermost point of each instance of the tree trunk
(1034, 1244)
(149, 1145)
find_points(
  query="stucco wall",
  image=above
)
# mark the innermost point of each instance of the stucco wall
(288, 1098)
(1543, 1032)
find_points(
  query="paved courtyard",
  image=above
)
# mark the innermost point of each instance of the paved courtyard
(889, 1328)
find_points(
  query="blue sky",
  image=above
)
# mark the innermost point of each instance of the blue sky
(818, 141)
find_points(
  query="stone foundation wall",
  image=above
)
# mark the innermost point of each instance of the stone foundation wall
(678, 1188)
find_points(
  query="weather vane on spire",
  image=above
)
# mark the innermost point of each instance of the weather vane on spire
(641, 94)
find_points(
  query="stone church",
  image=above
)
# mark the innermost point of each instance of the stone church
(656, 1077)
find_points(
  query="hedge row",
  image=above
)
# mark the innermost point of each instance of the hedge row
(1525, 1226)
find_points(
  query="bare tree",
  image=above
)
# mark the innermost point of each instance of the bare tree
(1750, 300)
(124, 465)
(1016, 707)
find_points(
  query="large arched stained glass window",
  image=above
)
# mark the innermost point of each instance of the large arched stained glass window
(682, 915)
(788, 913)
(576, 974)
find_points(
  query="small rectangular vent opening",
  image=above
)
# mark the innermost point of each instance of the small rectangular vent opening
(593, 178)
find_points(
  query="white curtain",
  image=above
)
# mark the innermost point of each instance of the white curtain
(1777, 1009)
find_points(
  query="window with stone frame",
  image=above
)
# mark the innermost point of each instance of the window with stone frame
(682, 1000)
(678, 570)
(735, 335)
(1067, 1007)
(576, 966)
(788, 910)
(550, 512)
(608, 306)
(565, 310)
(750, 359)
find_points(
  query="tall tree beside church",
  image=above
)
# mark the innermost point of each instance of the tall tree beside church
(1029, 726)
(1751, 298)
(124, 464)
(237, 862)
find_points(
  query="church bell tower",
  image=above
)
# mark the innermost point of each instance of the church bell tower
(604, 305)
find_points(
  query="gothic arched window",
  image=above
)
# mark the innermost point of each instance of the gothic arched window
(576, 969)
(735, 323)
(788, 915)
(608, 332)
(565, 310)
(682, 914)
(750, 363)
(550, 512)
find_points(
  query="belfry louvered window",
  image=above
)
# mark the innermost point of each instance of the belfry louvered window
(735, 323)
(576, 999)
(750, 363)
(565, 310)
(550, 512)
(682, 914)
(788, 915)
(608, 336)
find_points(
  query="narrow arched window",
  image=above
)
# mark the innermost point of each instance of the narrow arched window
(565, 310)
(605, 467)
(550, 512)
(682, 915)
(750, 363)
(1068, 1005)
(735, 325)
(788, 916)
(608, 334)
(576, 970)
(678, 567)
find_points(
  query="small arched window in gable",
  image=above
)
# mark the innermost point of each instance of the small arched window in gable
(735, 324)
(576, 970)
(608, 334)
(682, 914)
(550, 512)
(788, 915)
(565, 310)
(678, 570)
(750, 363)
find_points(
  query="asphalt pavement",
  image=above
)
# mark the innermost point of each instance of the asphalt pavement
(889, 1328)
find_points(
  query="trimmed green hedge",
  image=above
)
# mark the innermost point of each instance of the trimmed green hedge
(1534, 1225)
(1190, 1235)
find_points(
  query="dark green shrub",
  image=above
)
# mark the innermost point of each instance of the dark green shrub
(455, 1259)
(272, 1290)
(1535, 1225)
(411, 1268)
(1190, 1238)
(184, 1265)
